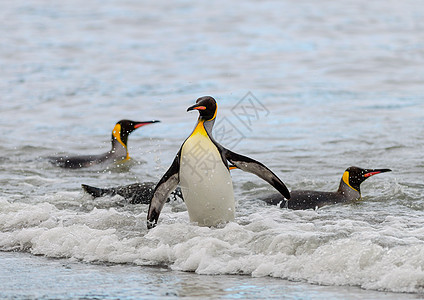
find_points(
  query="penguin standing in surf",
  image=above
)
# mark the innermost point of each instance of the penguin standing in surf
(349, 191)
(201, 169)
(118, 153)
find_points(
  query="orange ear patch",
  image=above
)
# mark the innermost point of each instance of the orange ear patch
(117, 134)
(346, 179)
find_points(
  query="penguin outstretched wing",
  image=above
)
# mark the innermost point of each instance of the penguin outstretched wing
(166, 185)
(252, 166)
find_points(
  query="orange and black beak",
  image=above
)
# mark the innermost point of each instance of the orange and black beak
(196, 107)
(372, 172)
(140, 124)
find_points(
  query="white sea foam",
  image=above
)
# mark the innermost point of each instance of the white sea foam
(307, 246)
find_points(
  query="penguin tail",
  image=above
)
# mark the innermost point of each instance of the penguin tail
(93, 191)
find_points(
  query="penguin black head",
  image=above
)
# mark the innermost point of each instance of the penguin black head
(354, 176)
(206, 106)
(123, 128)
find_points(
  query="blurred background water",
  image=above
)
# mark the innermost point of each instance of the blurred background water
(337, 84)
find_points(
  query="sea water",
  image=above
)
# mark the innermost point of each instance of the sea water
(306, 88)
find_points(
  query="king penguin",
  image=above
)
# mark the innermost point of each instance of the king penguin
(118, 153)
(201, 169)
(349, 191)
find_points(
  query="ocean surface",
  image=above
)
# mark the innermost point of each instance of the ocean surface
(308, 88)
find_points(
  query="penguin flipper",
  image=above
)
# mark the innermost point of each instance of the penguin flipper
(96, 192)
(255, 167)
(166, 185)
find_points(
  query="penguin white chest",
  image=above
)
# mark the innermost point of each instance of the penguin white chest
(205, 182)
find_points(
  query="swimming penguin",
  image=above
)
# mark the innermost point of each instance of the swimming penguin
(201, 169)
(349, 191)
(119, 151)
(135, 193)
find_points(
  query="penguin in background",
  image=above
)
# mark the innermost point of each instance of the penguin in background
(349, 191)
(135, 193)
(117, 154)
(202, 171)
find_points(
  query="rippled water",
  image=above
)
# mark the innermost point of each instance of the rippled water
(337, 84)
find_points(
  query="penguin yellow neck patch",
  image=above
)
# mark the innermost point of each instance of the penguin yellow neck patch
(200, 128)
(346, 179)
